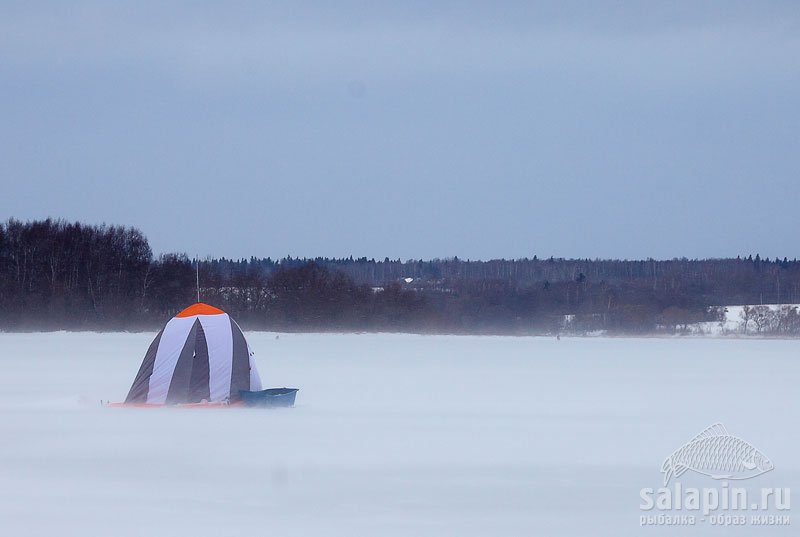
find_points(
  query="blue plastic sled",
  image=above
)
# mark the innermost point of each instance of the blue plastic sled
(270, 398)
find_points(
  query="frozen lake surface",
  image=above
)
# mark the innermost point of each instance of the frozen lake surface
(392, 435)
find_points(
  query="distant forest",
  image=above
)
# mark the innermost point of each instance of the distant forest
(60, 275)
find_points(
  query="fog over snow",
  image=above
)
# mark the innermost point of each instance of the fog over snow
(392, 435)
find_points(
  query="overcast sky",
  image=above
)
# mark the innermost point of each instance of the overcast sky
(581, 129)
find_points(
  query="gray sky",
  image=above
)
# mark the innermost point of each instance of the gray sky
(582, 129)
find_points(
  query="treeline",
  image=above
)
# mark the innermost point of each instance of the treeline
(766, 320)
(60, 275)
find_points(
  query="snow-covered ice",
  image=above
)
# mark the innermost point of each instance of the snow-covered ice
(392, 435)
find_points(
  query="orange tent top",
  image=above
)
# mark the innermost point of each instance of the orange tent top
(199, 309)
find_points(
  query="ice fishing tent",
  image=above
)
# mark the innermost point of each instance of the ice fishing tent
(200, 355)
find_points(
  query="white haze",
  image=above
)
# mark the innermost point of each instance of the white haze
(392, 435)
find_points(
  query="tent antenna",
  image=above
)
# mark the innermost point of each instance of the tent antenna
(198, 280)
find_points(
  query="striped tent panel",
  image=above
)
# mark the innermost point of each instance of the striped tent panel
(200, 355)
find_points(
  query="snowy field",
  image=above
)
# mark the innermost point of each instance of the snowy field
(392, 435)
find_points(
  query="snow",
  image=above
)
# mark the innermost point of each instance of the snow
(392, 435)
